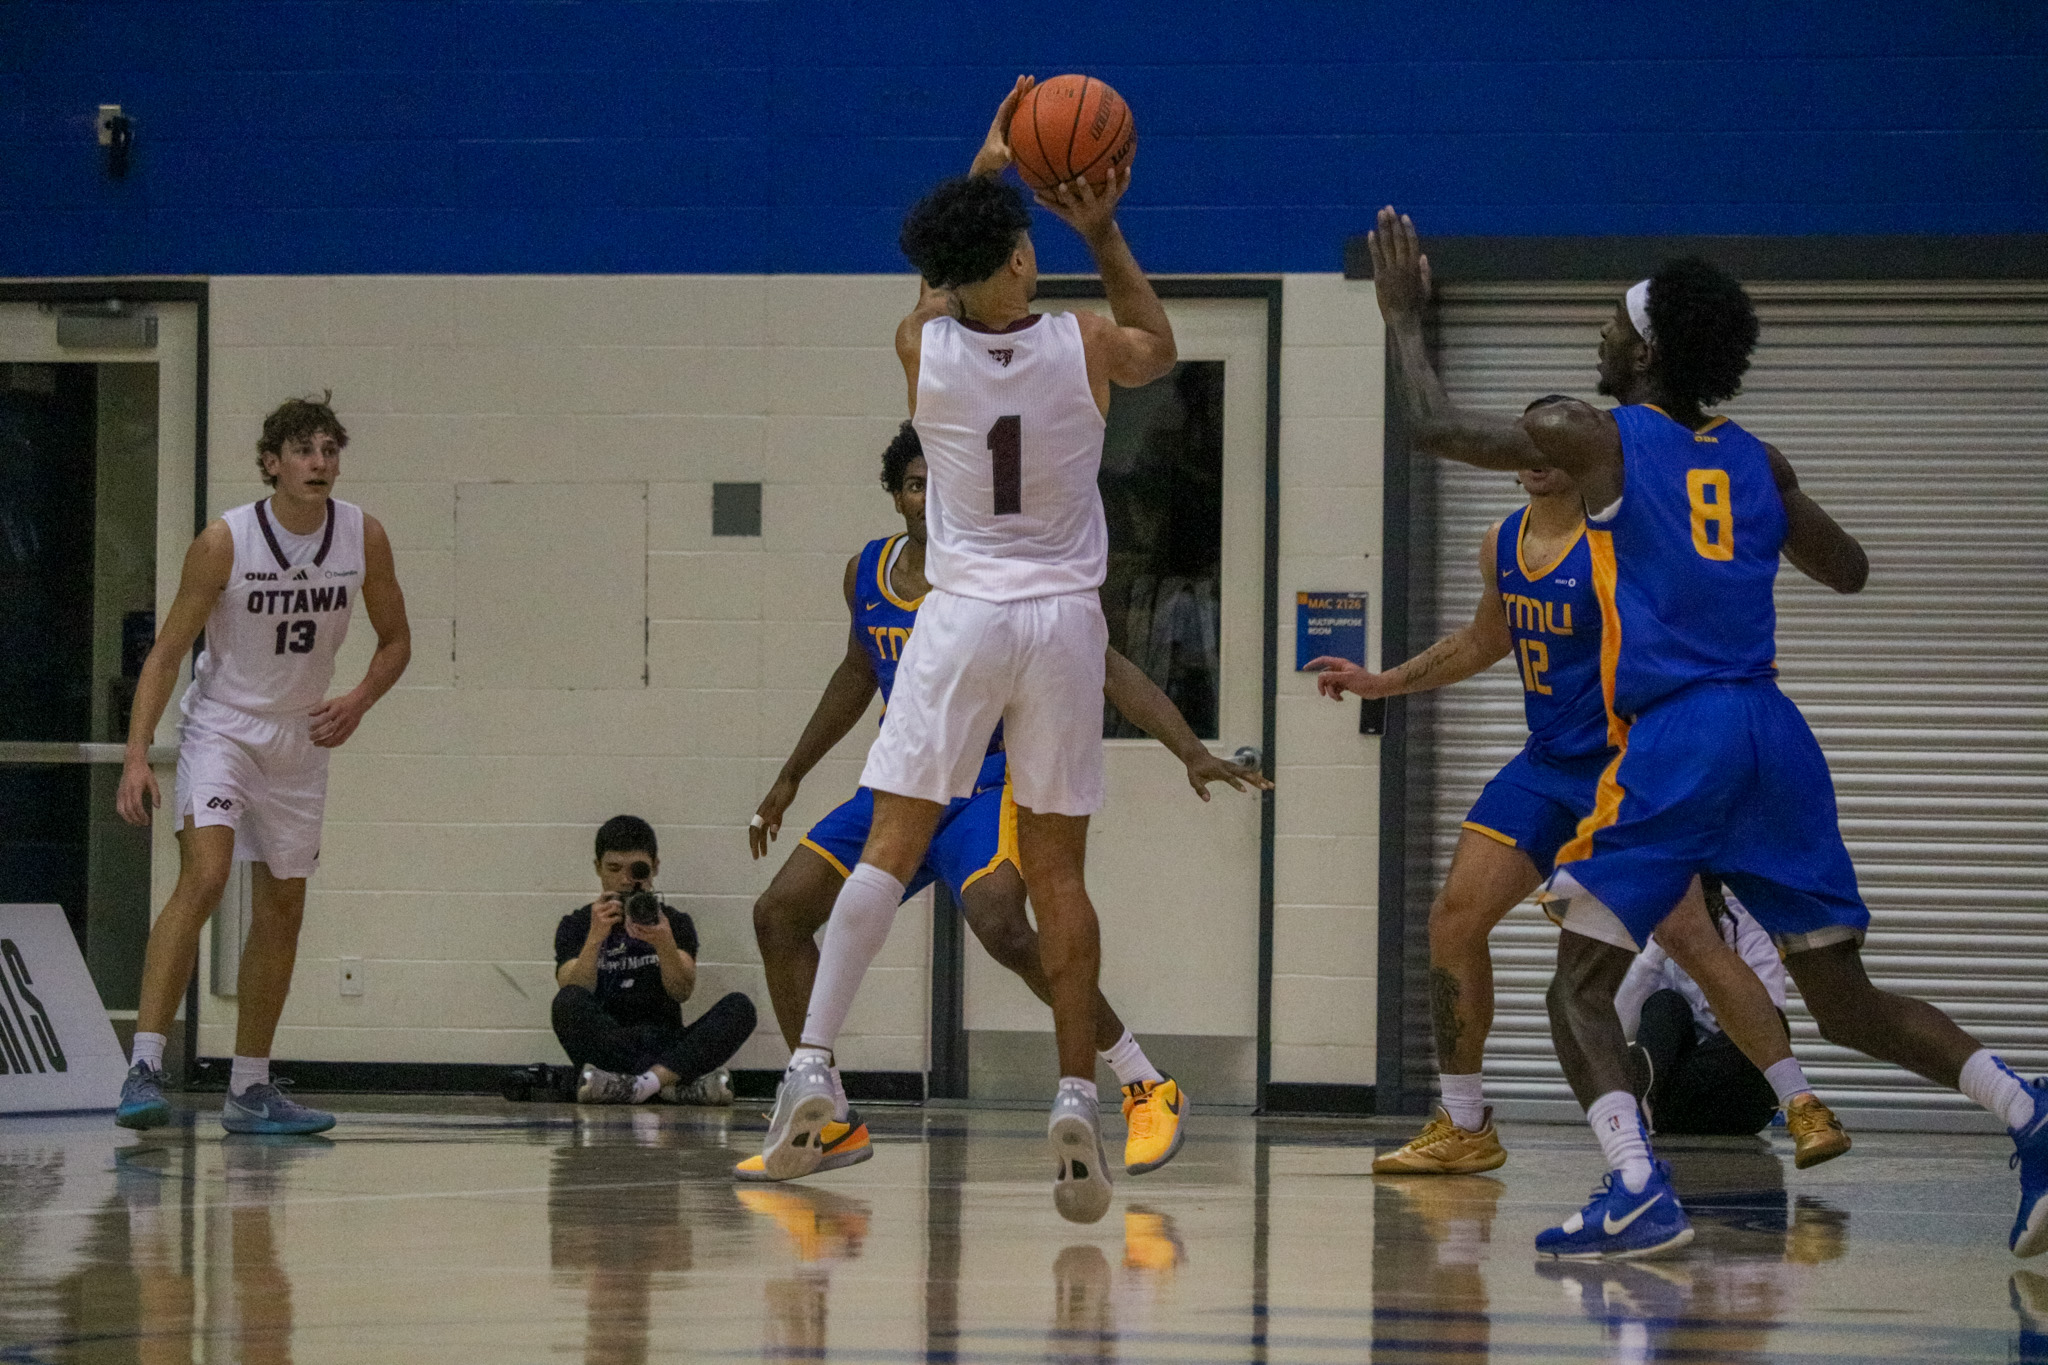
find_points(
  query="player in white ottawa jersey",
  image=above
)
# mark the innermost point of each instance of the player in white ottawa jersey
(1009, 406)
(272, 584)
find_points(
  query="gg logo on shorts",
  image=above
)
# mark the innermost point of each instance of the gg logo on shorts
(220, 803)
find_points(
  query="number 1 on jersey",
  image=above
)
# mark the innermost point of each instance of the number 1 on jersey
(1006, 453)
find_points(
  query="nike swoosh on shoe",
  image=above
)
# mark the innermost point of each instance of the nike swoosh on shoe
(1611, 1226)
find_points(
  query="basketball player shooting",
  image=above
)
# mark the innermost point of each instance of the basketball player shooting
(1010, 406)
(273, 584)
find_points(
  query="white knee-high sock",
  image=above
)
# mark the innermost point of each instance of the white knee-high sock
(1619, 1126)
(859, 926)
(1991, 1083)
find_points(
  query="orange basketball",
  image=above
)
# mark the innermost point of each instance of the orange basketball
(1071, 127)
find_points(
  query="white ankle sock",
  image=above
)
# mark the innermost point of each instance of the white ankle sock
(1991, 1083)
(149, 1047)
(1788, 1078)
(840, 1107)
(856, 932)
(645, 1085)
(1464, 1099)
(1619, 1127)
(247, 1071)
(1129, 1062)
(1079, 1086)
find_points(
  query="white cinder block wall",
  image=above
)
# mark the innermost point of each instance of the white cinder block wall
(1326, 854)
(542, 451)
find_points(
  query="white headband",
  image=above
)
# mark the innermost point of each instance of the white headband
(1638, 303)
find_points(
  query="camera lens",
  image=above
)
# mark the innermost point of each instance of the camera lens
(639, 871)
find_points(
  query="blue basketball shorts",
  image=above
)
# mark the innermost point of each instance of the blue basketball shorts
(976, 835)
(1535, 804)
(1722, 777)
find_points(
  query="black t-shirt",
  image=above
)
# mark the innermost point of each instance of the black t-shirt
(628, 972)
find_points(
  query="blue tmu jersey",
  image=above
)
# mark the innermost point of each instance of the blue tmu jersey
(1554, 620)
(882, 621)
(1686, 563)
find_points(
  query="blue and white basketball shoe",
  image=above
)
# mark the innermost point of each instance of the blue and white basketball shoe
(2030, 1155)
(142, 1099)
(265, 1108)
(1620, 1224)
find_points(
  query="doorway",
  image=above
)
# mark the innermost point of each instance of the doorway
(98, 441)
(1179, 884)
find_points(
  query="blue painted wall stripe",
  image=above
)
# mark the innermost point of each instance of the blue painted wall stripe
(766, 135)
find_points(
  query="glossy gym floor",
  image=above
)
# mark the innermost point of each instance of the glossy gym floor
(451, 1230)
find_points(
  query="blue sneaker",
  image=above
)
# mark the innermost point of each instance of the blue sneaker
(142, 1099)
(2030, 1155)
(1621, 1224)
(266, 1109)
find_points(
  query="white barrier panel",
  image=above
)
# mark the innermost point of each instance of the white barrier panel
(57, 1050)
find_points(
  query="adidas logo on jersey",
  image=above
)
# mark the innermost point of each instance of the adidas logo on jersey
(1004, 356)
(299, 577)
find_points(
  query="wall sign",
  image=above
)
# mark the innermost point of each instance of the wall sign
(1329, 623)
(57, 1050)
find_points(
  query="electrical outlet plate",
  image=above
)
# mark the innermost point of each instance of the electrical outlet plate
(108, 113)
(351, 976)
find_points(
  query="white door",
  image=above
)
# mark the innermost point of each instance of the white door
(1175, 882)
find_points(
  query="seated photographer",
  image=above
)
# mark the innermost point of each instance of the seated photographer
(625, 964)
(1691, 1077)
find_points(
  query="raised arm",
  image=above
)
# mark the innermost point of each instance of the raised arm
(931, 303)
(1456, 657)
(208, 564)
(1144, 705)
(845, 701)
(1815, 542)
(1135, 344)
(335, 719)
(1576, 438)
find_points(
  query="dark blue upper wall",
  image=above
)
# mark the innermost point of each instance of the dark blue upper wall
(296, 136)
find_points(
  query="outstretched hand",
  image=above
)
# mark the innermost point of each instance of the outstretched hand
(1335, 677)
(995, 148)
(1206, 767)
(1083, 207)
(1400, 272)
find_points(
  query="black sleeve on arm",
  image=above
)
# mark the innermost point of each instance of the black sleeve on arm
(570, 934)
(685, 931)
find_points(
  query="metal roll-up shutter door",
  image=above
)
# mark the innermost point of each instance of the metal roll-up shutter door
(1918, 415)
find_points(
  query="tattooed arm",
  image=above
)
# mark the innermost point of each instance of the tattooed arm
(1454, 658)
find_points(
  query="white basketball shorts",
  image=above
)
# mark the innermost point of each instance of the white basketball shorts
(262, 776)
(1034, 664)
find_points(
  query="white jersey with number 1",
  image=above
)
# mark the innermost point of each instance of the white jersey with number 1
(1013, 443)
(273, 635)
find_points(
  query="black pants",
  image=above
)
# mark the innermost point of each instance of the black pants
(1704, 1087)
(591, 1036)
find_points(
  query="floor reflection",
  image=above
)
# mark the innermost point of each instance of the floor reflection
(456, 1230)
(1430, 1235)
(615, 1222)
(823, 1228)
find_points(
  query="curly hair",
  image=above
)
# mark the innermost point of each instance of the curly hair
(896, 459)
(964, 230)
(298, 419)
(1705, 327)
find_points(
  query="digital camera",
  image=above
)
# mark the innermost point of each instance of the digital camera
(642, 905)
